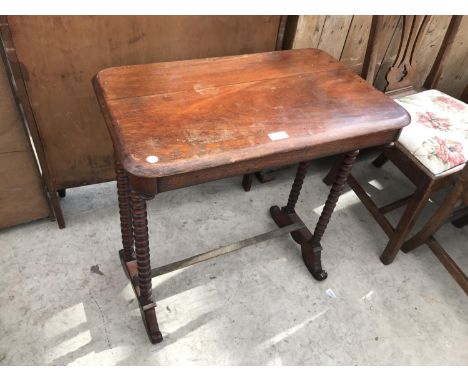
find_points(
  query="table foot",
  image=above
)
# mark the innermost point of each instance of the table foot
(310, 254)
(148, 311)
(312, 257)
(151, 325)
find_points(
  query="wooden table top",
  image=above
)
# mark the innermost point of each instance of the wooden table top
(185, 116)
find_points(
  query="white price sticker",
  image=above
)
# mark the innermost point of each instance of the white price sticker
(278, 135)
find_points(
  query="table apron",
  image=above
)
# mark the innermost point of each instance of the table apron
(174, 182)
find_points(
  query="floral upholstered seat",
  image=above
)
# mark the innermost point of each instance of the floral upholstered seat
(438, 133)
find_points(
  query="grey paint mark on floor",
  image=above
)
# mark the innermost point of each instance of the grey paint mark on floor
(95, 269)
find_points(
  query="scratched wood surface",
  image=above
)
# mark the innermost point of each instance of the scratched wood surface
(454, 75)
(183, 117)
(390, 52)
(59, 55)
(334, 33)
(308, 32)
(22, 197)
(313, 31)
(430, 42)
(355, 45)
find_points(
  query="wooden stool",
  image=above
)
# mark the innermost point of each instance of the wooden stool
(438, 123)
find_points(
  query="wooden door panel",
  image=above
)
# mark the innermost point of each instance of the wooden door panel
(22, 196)
(11, 131)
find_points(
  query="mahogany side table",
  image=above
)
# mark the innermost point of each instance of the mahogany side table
(181, 123)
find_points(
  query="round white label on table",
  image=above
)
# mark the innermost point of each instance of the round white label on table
(152, 159)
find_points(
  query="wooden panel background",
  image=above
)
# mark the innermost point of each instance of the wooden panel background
(345, 37)
(60, 54)
(22, 196)
(454, 77)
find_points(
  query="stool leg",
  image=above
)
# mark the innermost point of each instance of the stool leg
(461, 222)
(380, 160)
(141, 238)
(412, 211)
(436, 220)
(123, 192)
(312, 252)
(247, 182)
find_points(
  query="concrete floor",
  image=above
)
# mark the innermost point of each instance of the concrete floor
(64, 298)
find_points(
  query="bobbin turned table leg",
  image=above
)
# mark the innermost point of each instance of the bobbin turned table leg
(287, 215)
(310, 244)
(142, 280)
(312, 257)
(126, 224)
